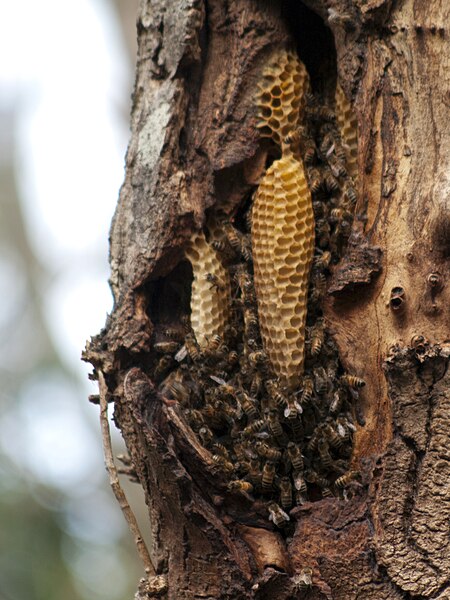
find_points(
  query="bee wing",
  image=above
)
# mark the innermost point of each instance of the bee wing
(341, 430)
(270, 515)
(181, 354)
(287, 412)
(299, 407)
(239, 411)
(261, 435)
(351, 426)
(286, 517)
(354, 394)
(298, 482)
(218, 380)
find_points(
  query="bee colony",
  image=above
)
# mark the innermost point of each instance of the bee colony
(253, 369)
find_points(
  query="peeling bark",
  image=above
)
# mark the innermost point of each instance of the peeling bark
(194, 145)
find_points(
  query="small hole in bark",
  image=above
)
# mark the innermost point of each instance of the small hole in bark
(419, 344)
(434, 281)
(397, 299)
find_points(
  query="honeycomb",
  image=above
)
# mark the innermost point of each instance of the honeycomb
(348, 128)
(281, 96)
(283, 247)
(210, 303)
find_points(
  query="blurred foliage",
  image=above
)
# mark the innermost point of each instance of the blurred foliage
(31, 563)
(41, 556)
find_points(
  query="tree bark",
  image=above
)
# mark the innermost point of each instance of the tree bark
(194, 145)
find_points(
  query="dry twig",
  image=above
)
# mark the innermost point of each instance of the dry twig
(115, 483)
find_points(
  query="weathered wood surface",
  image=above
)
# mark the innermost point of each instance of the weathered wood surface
(193, 143)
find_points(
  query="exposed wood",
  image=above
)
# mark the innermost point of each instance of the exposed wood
(194, 144)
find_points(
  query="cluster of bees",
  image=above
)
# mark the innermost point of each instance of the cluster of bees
(266, 439)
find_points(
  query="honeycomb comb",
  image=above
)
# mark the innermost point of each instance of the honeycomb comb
(281, 97)
(283, 247)
(348, 128)
(210, 304)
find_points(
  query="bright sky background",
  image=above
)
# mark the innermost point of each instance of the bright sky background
(64, 71)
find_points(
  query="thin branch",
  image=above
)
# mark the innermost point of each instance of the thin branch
(115, 483)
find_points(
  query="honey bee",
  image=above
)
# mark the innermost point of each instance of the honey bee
(248, 406)
(268, 475)
(344, 428)
(192, 347)
(317, 337)
(303, 580)
(179, 392)
(353, 381)
(265, 451)
(350, 193)
(319, 287)
(315, 180)
(309, 151)
(257, 358)
(294, 137)
(239, 485)
(295, 456)
(341, 214)
(225, 465)
(275, 394)
(174, 334)
(300, 497)
(213, 344)
(236, 240)
(232, 358)
(334, 440)
(195, 419)
(325, 456)
(164, 363)
(251, 325)
(338, 398)
(166, 347)
(330, 182)
(256, 384)
(220, 449)
(215, 282)
(323, 260)
(337, 167)
(239, 451)
(206, 436)
(321, 382)
(254, 474)
(299, 482)
(327, 493)
(318, 208)
(277, 515)
(323, 233)
(253, 428)
(274, 426)
(293, 408)
(313, 477)
(220, 245)
(307, 391)
(345, 479)
(285, 492)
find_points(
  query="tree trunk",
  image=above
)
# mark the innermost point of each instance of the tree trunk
(195, 146)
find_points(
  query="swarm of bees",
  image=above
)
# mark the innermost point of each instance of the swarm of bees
(283, 440)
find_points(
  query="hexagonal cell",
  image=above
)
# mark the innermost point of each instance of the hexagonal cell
(282, 264)
(210, 304)
(282, 88)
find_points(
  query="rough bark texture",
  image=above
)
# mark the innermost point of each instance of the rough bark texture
(194, 144)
